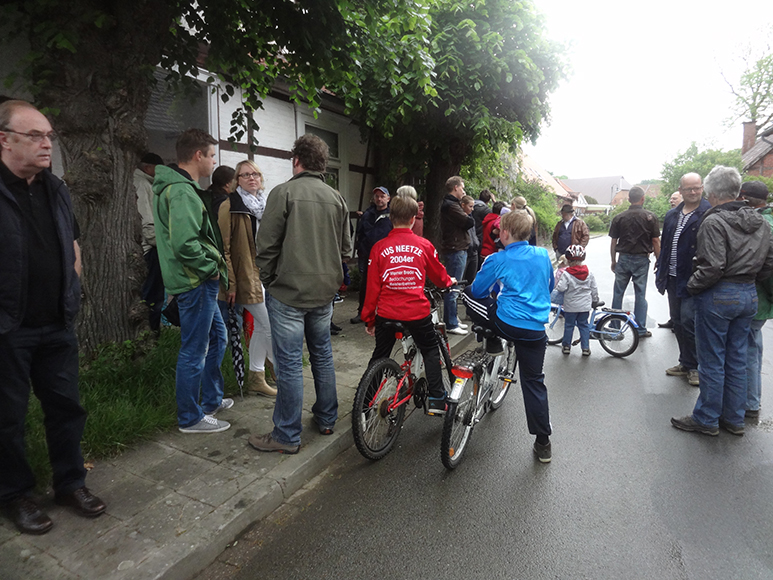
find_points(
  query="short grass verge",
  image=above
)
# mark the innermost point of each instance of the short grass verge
(128, 390)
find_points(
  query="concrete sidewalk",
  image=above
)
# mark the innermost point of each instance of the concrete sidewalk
(176, 502)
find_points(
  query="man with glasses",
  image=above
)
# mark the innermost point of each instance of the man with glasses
(674, 268)
(39, 299)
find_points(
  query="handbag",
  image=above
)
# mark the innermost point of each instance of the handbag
(172, 311)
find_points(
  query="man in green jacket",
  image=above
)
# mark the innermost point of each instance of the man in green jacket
(756, 195)
(302, 238)
(190, 251)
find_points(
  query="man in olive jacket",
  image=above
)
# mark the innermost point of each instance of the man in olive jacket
(302, 239)
(190, 251)
(454, 226)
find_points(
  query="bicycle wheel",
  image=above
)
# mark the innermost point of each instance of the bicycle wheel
(375, 429)
(555, 326)
(458, 423)
(507, 369)
(617, 336)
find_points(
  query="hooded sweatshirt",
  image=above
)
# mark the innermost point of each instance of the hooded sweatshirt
(190, 249)
(733, 246)
(579, 288)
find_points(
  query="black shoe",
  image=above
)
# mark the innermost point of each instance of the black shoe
(730, 428)
(436, 406)
(669, 324)
(335, 327)
(83, 501)
(752, 414)
(355, 320)
(543, 452)
(687, 423)
(27, 516)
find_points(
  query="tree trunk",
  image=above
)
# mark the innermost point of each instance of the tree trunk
(101, 92)
(444, 163)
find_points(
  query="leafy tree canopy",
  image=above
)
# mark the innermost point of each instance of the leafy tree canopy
(753, 92)
(695, 161)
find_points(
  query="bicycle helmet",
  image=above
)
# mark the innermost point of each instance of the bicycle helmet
(575, 252)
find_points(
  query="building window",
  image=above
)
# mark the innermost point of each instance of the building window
(328, 137)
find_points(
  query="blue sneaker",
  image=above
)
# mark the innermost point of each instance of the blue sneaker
(436, 406)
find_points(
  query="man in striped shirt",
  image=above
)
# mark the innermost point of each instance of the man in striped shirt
(674, 267)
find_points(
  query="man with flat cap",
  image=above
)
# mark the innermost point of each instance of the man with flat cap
(570, 231)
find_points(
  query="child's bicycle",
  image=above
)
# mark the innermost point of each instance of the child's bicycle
(482, 381)
(616, 330)
(387, 387)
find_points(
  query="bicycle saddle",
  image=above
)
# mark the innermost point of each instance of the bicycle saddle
(485, 332)
(598, 304)
(397, 327)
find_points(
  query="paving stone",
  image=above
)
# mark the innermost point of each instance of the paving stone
(104, 474)
(70, 530)
(217, 485)
(171, 517)
(21, 561)
(131, 495)
(7, 530)
(138, 459)
(178, 469)
(114, 555)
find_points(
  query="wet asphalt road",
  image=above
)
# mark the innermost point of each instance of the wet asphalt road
(626, 496)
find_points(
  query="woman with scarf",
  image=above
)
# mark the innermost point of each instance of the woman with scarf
(239, 219)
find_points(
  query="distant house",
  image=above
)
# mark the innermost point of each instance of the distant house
(602, 189)
(650, 190)
(757, 153)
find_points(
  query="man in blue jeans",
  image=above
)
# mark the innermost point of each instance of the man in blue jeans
(734, 251)
(454, 226)
(190, 251)
(635, 235)
(303, 236)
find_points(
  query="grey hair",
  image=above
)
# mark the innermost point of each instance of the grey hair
(406, 191)
(722, 182)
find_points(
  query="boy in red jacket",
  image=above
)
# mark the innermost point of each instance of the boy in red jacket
(397, 270)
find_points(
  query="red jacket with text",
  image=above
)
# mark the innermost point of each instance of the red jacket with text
(397, 271)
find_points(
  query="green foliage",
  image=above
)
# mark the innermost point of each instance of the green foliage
(128, 390)
(658, 205)
(492, 69)
(595, 223)
(542, 201)
(591, 200)
(700, 162)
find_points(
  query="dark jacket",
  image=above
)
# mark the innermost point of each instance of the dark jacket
(454, 224)
(733, 246)
(15, 262)
(580, 233)
(479, 211)
(685, 251)
(374, 225)
(303, 236)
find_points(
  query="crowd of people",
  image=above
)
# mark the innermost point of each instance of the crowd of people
(231, 252)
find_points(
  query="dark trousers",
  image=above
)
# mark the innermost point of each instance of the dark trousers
(530, 348)
(48, 358)
(362, 266)
(152, 291)
(682, 311)
(471, 270)
(423, 332)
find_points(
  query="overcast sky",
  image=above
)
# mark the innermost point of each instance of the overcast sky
(646, 82)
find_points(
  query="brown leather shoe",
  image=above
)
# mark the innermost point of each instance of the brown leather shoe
(85, 503)
(27, 516)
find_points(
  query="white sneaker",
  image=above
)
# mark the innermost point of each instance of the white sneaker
(463, 326)
(208, 424)
(458, 330)
(224, 404)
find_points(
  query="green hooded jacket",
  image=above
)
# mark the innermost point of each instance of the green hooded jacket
(765, 287)
(190, 249)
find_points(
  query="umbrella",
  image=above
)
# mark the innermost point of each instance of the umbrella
(237, 354)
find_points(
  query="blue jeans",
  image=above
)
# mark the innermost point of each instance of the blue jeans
(289, 325)
(754, 365)
(203, 337)
(632, 267)
(455, 262)
(723, 314)
(580, 319)
(682, 311)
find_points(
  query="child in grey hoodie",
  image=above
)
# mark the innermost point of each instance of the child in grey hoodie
(580, 292)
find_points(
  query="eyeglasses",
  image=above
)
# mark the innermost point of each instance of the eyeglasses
(691, 189)
(250, 175)
(35, 137)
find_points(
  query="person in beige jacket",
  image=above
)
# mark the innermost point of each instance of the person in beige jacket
(239, 219)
